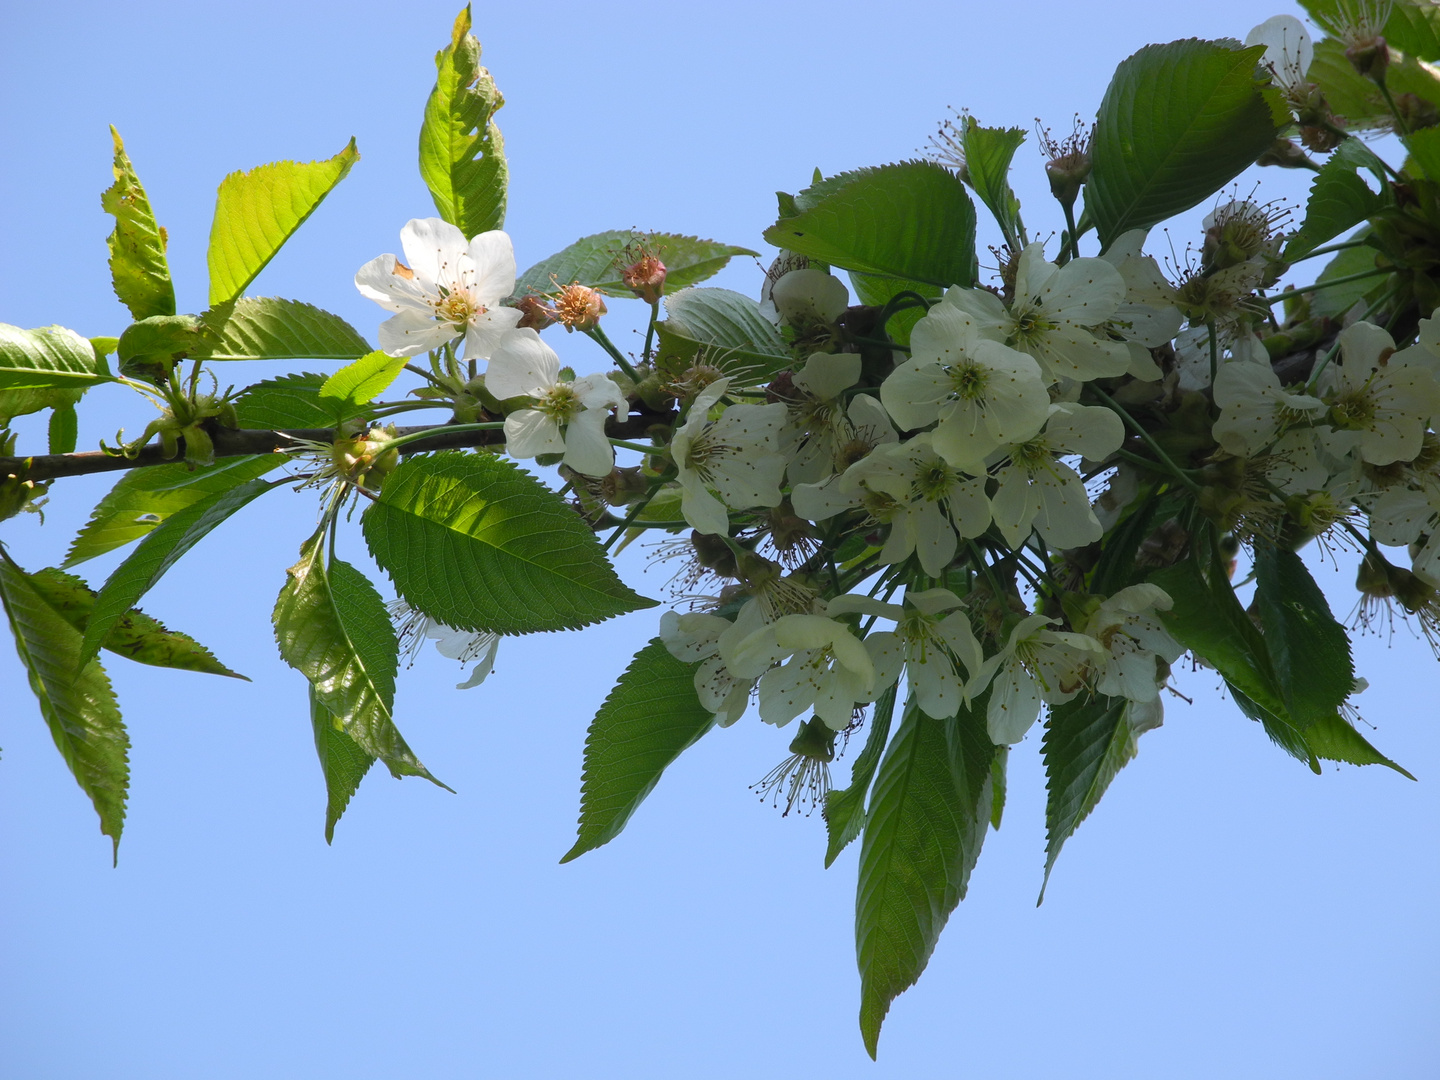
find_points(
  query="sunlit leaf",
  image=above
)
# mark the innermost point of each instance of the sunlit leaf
(139, 270)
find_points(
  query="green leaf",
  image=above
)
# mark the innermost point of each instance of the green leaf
(1309, 649)
(15, 403)
(1339, 200)
(268, 328)
(1335, 739)
(1177, 123)
(999, 767)
(356, 384)
(159, 551)
(1424, 147)
(76, 700)
(928, 817)
(727, 326)
(1336, 301)
(462, 154)
(479, 544)
(1283, 731)
(650, 718)
(64, 429)
(845, 809)
(151, 347)
(135, 636)
(988, 153)
(342, 761)
(50, 356)
(595, 261)
(1413, 26)
(257, 211)
(1087, 741)
(138, 267)
(913, 220)
(290, 401)
(144, 498)
(1357, 99)
(332, 627)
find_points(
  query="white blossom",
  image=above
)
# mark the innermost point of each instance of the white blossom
(1132, 637)
(826, 668)
(1036, 664)
(1386, 396)
(414, 627)
(1254, 407)
(1288, 54)
(730, 462)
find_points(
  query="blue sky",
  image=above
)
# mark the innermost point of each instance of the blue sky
(1224, 912)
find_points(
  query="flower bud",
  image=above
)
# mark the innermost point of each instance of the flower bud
(1068, 165)
(645, 277)
(1285, 154)
(1415, 113)
(579, 307)
(534, 313)
(1370, 58)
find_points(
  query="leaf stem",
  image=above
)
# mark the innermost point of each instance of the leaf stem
(599, 337)
(450, 429)
(1331, 283)
(630, 518)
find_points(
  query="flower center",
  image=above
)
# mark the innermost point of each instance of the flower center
(933, 482)
(1031, 326)
(560, 403)
(1354, 410)
(457, 306)
(968, 381)
(1032, 456)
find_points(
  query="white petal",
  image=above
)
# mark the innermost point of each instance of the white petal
(522, 366)
(433, 248)
(587, 450)
(529, 433)
(826, 374)
(494, 257)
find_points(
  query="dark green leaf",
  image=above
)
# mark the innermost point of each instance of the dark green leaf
(596, 260)
(350, 388)
(845, 809)
(479, 544)
(136, 635)
(268, 328)
(76, 700)
(332, 627)
(1357, 99)
(462, 154)
(1339, 200)
(1335, 739)
(1282, 730)
(927, 820)
(144, 498)
(999, 767)
(290, 401)
(159, 551)
(1177, 123)
(341, 760)
(138, 267)
(913, 221)
(50, 356)
(727, 326)
(64, 429)
(257, 211)
(650, 718)
(1413, 26)
(1309, 649)
(1335, 301)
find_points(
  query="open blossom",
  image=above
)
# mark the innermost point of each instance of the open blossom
(828, 669)
(730, 462)
(816, 424)
(452, 287)
(1148, 317)
(806, 297)
(866, 428)
(1053, 310)
(466, 646)
(697, 637)
(1127, 628)
(1036, 664)
(1254, 407)
(1288, 53)
(1388, 397)
(567, 417)
(983, 393)
(1041, 492)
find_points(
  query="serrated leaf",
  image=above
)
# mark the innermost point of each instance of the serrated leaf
(159, 551)
(1087, 742)
(289, 401)
(727, 326)
(15, 403)
(1335, 739)
(1413, 26)
(912, 220)
(593, 261)
(76, 700)
(48, 357)
(257, 211)
(345, 392)
(650, 718)
(136, 636)
(332, 627)
(988, 153)
(462, 154)
(1335, 301)
(1356, 99)
(928, 817)
(269, 328)
(1177, 123)
(342, 761)
(845, 809)
(1339, 200)
(64, 429)
(479, 544)
(1309, 649)
(143, 498)
(139, 270)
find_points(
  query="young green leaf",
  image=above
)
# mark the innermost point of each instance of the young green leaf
(356, 384)
(595, 261)
(1177, 123)
(1335, 739)
(928, 817)
(988, 153)
(15, 403)
(159, 551)
(64, 429)
(139, 270)
(257, 211)
(75, 699)
(913, 220)
(144, 498)
(136, 635)
(289, 401)
(50, 356)
(268, 328)
(650, 718)
(341, 760)
(1310, 650)
(479, 544)
(879, 291)
(462, 154)
(1333, 302)
(727, 325)
(332, 627)
(845, 809)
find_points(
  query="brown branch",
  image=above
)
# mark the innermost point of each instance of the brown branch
(245, 442)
